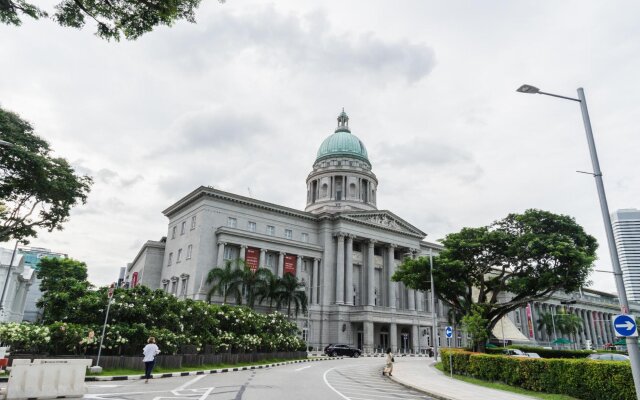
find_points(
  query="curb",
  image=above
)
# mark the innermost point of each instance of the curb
(193, 373)
(420, 389)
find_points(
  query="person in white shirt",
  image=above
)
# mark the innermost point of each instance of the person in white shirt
(150, 352)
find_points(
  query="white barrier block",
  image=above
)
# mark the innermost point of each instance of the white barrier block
(47, 379)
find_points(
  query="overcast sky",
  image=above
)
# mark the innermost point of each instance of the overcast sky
(244, 98)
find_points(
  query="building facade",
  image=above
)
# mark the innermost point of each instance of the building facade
(32, 256)
(626, 230)
(16, 279)
(342, 247)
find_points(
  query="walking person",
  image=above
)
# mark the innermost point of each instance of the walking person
(389, 367)
(150, 352)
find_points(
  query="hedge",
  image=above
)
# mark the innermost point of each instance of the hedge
(550, 353)
(583, 379)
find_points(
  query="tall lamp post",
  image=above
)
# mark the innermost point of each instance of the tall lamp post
(632, 342)
(433, 312)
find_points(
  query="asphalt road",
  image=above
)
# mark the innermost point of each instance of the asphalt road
(346, 379)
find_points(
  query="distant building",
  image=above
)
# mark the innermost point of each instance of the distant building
(626, 230)
(15, 281)
(32, 256)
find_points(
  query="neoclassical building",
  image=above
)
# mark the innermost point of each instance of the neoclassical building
(341, 246)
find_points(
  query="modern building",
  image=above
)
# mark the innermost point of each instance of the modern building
(342, 247)
(626, 230)
(15, 280)
(32, 256)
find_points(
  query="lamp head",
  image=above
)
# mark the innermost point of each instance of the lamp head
(528, 89)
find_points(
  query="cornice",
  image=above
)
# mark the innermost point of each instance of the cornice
(266, 238)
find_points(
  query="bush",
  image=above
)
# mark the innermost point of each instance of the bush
(546, 353)
(584, 379)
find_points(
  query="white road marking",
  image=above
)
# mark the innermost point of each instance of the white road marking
(194, 380)
(300, 369)
(105, 386)
(324, 377)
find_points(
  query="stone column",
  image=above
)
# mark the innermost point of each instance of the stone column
(420, 300)
(281, 264)
(243, 253)
(367, 328)
(371, 274)
(299, 267)
(410, 292)
(391, 300)
(585, 325)
(348, 282)
(393, 337)
(340, 269)
(263, 257)
(415, 338)
(315, 299)
(607, 324)
(592, 328)
(220, 260)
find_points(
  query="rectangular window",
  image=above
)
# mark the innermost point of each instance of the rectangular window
(232, 222)
(270, 260)
(377, 251)
(271, 230)
(305, 334)
(173, 232)
(357, 247)
(517, 313)
(193, 222)
(189, 252)
(174, 287)
(230, 253)
(288, 233)
(305, 237)
(183, 290)
(183, 227)
(251, 226)
(179, 256)
(165, 286)
(170, 259)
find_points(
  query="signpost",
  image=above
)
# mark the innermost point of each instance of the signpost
(112, 288)
(448, 332)
(625, 325)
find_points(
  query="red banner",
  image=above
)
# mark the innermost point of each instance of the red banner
(530, 321)
(134, 280)
(290, 262)
(252, 258)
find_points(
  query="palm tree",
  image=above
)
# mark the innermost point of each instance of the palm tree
(253, 282)
(226, 281)
(270, 290)
(293, 291)
(569, 323)
(546, 323)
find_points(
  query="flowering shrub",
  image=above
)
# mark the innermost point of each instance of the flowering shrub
(24, 337)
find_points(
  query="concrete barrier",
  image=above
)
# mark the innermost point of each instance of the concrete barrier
(46, 379)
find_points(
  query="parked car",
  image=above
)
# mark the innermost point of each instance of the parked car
(533, 355)
(334, 350)
(514, 353)
(608, 357)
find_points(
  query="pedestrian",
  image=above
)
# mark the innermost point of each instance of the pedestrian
(150, 352)
(389, 367)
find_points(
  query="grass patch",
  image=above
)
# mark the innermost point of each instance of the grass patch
(507, 388)
(159, 370)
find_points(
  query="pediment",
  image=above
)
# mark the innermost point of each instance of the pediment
(384, 219)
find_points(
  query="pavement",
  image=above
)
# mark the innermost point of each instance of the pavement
(422, 375)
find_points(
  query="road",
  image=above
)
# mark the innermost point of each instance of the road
(345, 379)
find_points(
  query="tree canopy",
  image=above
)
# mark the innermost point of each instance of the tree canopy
(507, 264)
(113, 18)
(37, 190)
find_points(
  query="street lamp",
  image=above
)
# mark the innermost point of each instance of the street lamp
(632, 342)
(433, 312)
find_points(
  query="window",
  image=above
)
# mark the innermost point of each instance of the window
(305, 334)
(270, 260)
(170, 259)
(178, 256)
(165, 285)
(288, 233)
(377, 251)
(517, 313)
(230, 253)
(271, 230)
(173, 233)
(357, 247)
(189, 252)
(174, 286)
(305, 237)
(251, 226)
(232, 222)
(193, 222)
(183, 289)
(183, 227)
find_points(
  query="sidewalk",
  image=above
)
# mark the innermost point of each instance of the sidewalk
(420, 374)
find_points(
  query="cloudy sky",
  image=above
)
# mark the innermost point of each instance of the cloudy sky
(242, 100)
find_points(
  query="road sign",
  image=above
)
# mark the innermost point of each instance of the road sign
(625, 325)
(448, 331)
(111, 289)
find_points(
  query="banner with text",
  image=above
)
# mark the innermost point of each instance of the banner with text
(290, 262)
(530, 321)
(252, 258)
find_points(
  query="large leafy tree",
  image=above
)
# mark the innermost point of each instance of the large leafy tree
(64, 284)
(37, 190)
(522, 257)
(114, 18)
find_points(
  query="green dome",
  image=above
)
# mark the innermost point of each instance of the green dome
(342, 142)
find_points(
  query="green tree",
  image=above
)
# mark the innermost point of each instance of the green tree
(546, 323)
(475, 325)
(271, 291)
(226, 281)
(291, 292)
(114, 18)
(64, 284)
(253, 282)
(37, 190)
(525, 256)
(568, 323)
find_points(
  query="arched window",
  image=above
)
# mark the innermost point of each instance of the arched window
(323, 190)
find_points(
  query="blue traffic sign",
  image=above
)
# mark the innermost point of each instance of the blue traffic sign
(625, 325)
(448, 332)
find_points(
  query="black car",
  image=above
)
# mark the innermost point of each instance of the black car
(334, 350)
